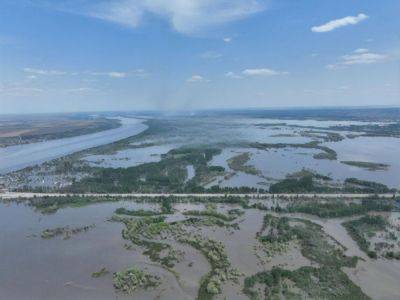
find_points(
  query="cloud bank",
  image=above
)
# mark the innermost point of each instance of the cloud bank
(185, 16)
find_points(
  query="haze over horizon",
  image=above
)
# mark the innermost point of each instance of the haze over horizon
(188, 55)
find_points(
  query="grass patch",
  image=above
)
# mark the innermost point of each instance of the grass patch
(238, 163)
(364, 227)
(314, 242)
(221, 271)
(303, 283)
(371, 166)
(67, 232)
(355, 185)
(130, 280)
(338, 208)
(102, 272)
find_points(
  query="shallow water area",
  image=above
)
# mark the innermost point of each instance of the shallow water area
(36, 268)
(129, 157)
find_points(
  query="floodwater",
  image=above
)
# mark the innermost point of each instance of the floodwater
(275, 164)
(129, 157)
(232, 135)
(309, 122)
(36, 268)
(17, 157)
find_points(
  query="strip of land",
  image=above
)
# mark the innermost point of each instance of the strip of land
(15, 195)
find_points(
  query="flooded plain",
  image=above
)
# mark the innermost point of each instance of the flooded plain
(290, 146)
(235, 136)
(59, 268)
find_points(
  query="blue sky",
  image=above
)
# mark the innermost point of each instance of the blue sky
(81, 55)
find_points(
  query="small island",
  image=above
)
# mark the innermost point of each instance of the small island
(370, 166)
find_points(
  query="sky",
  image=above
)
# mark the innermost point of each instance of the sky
(98, 55)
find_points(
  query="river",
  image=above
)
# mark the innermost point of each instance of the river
(17, 157)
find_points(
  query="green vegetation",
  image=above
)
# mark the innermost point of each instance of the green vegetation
(143, 232)
(293, 185)
(314, 242)
(167, 175)
(326, 136)
(217, 169)
(221, 270)
(208, 213)
(327, 153)
(275, 234)
(102, 272)
(140, 231)
(364, 227)
(387, 130)
(132, 279)
(354, 185)
(212, 212)
(53, 204)
(339, 208)
(238, 163)
(303, 283)
(48, 205)
(136, 213)
(371, 166)
(303, 182)
(324, 282)
(66, 231)
(308, 182)
(166, 208)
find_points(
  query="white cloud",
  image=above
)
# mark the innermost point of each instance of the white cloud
(43, 72)
(140, 73)
(359, 57)
(227, 39)
(117, 74)
(254, 72)
(211, 55)
(17, 90)
(81, 90)
(334, 24)
(334, 67)
(112, 74)
(361, 50)
(363, 58)
(127, 13)
(185, 16)
(196, 78)
(262, 72)
(233, 75)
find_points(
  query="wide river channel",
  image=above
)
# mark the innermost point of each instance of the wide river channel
(17, 157)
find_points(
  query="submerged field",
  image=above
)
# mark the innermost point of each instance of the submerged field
(168, 248)
(229, 152)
